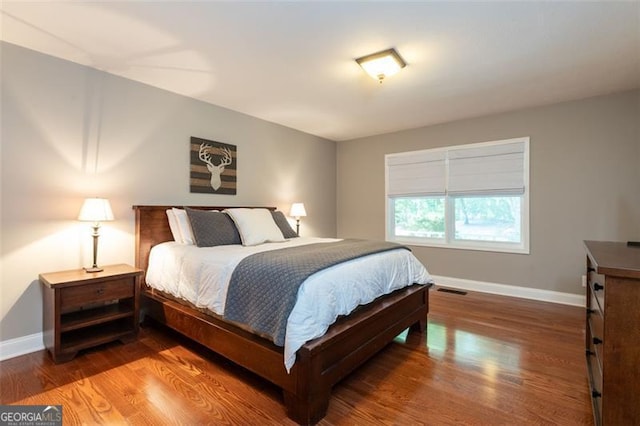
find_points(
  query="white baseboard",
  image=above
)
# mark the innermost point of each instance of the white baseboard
(21, 346)
(511, 290)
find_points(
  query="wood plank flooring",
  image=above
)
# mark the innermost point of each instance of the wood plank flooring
(488, 360)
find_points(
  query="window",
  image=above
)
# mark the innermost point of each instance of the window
(470, 196)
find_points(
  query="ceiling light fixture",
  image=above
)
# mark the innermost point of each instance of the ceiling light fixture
(382, 64)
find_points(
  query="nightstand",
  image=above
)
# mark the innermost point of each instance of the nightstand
(84, 309)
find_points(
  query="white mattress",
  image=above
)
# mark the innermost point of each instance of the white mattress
(201, 275)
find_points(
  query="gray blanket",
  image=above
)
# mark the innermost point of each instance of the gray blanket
(264, 286)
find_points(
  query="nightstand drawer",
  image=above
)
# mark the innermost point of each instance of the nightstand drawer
(98, 292)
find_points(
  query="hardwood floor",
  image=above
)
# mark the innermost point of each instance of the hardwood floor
(488, 360)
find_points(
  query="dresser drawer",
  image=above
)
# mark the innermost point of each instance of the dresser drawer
(594, 305)
(98, 292)
(596, 331)
(597, 284)
(595, 382)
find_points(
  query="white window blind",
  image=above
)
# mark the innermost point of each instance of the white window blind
(416, 173)
(490, 169)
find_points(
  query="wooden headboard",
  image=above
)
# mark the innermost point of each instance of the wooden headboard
(152, 227)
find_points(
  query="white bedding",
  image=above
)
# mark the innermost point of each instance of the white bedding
(201, 275)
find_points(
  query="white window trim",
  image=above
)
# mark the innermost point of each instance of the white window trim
(449, 242)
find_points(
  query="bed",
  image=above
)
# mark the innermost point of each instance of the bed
(320, 363)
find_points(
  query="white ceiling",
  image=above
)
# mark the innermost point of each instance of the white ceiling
(292, 63)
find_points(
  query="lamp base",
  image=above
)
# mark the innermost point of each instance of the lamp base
(94, 269)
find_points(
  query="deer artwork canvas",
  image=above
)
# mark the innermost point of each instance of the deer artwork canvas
(213, 167)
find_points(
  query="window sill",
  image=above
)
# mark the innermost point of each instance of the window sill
(491, 247)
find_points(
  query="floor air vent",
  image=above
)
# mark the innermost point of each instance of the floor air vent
(449, 290)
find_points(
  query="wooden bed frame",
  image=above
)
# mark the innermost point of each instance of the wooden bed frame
(320, 363)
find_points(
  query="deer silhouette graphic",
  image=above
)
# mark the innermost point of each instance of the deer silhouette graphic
(215, 170)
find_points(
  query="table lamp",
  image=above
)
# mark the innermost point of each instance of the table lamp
(297, 211)
(95, 210)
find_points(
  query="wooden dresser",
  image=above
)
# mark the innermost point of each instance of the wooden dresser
(613, 331)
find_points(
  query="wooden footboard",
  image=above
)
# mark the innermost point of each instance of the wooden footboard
(320, 364)
(325, 361)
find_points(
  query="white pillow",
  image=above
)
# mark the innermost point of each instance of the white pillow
(173, 225)
(256, 226)
(184, 225)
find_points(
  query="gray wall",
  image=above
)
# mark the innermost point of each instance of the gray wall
(70, 132)
(585, 184)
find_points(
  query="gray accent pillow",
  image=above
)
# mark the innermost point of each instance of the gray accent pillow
(283, 224)
(212, 228)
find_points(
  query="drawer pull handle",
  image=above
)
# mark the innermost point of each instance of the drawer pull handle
(595, 394)
(597, 287)
(100, 291)
(597, 341)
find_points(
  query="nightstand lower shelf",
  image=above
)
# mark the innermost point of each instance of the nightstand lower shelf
(73, 341)
(89, 317)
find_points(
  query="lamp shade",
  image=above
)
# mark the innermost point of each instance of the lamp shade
(95, 210)
(297, 210)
